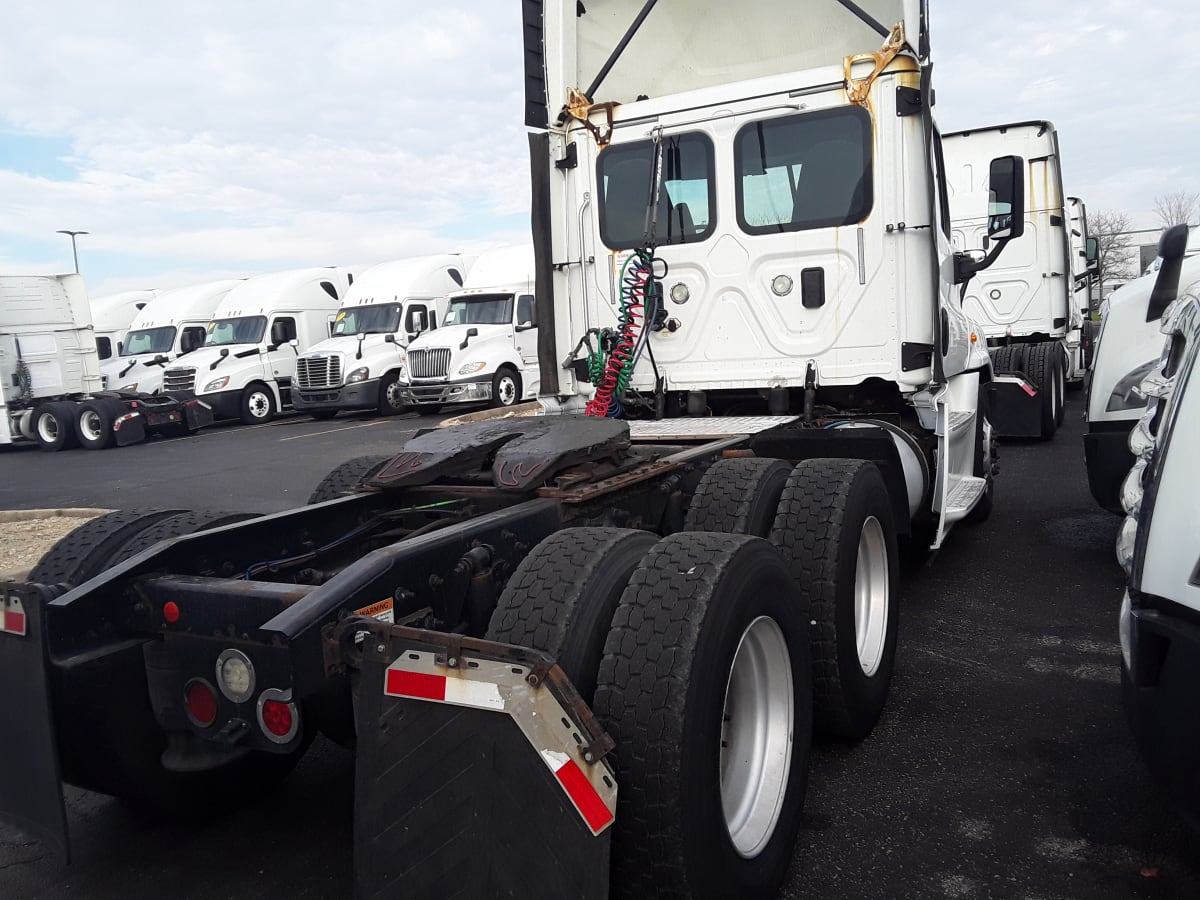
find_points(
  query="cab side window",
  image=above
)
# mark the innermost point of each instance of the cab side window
(416, 320)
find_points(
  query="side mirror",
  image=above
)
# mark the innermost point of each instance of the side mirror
(279, 332)
(187, 343)
(471, 332)
(389, 339)
(293, 343)
(1171, 247)
(120, 347)
(524, 326)
(1006, 205)
(1092, 255)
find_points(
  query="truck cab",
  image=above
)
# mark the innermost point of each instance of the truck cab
(175, 324)
(1024, 303)
(486, 348)
(247, 366)
(1127, 349)
(361, 365)
(111, 318)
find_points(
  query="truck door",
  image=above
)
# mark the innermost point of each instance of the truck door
(281, 361)
(526, 330)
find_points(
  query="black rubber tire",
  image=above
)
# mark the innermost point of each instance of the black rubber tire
(245, 414)
(385, 405)
(92, 547)
(738, 496)
(63, 414)
(562, 597)
(1060, 360)
(103, 411)
(322, 415)
(661, 695)
(346, 478)
(1001, 358)
(821, 517)
(497, 383)
(176, 526)
(1038, 370)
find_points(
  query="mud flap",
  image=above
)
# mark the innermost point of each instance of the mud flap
(473, 773)
(1015, 407)
(31, 795)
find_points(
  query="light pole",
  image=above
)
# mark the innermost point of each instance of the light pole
(74, 252)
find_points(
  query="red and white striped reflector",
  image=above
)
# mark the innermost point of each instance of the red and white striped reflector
(12, 621)
(490, 686)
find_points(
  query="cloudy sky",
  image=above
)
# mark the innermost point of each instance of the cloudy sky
(201, 140)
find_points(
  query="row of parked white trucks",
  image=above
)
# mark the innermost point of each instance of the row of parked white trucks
(581, 649)
(314, 339)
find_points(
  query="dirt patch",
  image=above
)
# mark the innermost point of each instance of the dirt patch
(23, 542)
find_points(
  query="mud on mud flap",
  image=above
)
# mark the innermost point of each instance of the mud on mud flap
(480, 773)
(31, 795)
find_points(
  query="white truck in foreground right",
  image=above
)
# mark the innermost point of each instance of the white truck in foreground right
(1159, 548)
(1025, 304)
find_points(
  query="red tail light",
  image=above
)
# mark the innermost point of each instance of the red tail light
(201, 702)
(277, 717)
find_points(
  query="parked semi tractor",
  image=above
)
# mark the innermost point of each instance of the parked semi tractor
(111, 316)
(1085, 260)
(1159, 548)
(1128, 347)
(50, 382)
(486, 349)
(1025, 304)
(620, 617)
(175, 324)
(247, 367)
(362, 364)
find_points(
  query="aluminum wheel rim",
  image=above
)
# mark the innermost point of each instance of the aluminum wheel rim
(508, 391)
(393, 396)
(259, 405)
(48, 428)
(89, 425)
(756, 737)
(871, 596)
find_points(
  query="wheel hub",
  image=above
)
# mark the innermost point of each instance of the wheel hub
(756, 737)
(89, 424)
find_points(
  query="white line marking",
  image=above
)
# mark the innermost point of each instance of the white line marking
(297, 437)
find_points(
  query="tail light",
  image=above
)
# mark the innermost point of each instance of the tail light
(278, 716)
(201, 702)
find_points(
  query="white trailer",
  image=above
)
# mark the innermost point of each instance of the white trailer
(1159, 548)
(50, 372)
(1024, 304)
(486, 349)
(111, 316)
(1128, 346)
(175, 324)
(247, 366)
(362, 365)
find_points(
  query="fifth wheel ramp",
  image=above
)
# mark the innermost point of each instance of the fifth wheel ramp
(480, 771)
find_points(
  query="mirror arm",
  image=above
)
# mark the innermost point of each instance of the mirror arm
(966, 268)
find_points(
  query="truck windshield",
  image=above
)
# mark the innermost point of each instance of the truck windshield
(381, 318)
(685, 201)
(149, 340)
(244, 330)
(482, 309)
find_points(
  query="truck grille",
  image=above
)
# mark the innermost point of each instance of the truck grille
(318, 372)
(179, 380)
(429, 363)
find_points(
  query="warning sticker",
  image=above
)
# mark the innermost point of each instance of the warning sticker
(384, 610)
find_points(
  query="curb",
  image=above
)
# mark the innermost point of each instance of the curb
(26, 515)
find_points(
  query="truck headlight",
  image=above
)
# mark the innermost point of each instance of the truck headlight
(472, 368)
(128, 387)
(1124, 395)
(216, 384)
(359, 374)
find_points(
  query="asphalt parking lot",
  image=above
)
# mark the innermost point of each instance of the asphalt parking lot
(1002, 767)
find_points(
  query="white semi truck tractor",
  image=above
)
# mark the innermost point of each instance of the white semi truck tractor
(486, 348)
(623, 615)
(175, 324)
(111, 317)
(1025, 304)
(1159, 548)
(247, 367)
(1128, 346)
(52, 390)
(362, 364)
